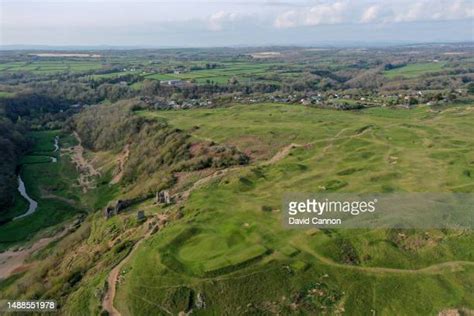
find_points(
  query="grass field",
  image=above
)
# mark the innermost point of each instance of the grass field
(50, 67)
(18, 208)
(228, 246)
(415, 70)
(112, 75)
(4, 94)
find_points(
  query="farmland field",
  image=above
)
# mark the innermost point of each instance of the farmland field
(220, 75)
(51, 67)
(415, 70)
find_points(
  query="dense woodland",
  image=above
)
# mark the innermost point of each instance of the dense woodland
(12, 143)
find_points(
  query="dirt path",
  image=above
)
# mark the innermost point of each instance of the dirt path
(285, 151)
(57, 197)
(108, 301)
(122, 159)
(281, 154)
(13, 261)
(437, 268)
(46, 194)
(112, 279)
(86, 169)
(199, 183)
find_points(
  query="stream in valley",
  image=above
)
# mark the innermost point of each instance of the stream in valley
(32, 204)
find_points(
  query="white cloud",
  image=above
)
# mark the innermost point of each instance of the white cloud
(263, 21)
(323, 13)
(286, 19)
(384, 11)
(370, 14)
(326, 14)
(218, 20)
(413, 12)
(428, 10)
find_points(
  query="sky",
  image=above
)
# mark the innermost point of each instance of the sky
(205, 23)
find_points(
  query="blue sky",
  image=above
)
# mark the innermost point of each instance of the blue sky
(186, 23)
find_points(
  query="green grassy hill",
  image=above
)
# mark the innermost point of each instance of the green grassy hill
(224, 249)
(238, 256)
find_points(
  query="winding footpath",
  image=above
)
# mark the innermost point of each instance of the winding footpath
(437, 268)
(112, 279)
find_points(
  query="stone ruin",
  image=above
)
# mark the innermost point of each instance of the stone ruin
(200, 303)
(141, 216)
(114, 208)
(163, 197)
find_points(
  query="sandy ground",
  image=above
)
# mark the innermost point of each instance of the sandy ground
(13, 261)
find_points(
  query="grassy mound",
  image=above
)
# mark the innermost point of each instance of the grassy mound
(205, 251)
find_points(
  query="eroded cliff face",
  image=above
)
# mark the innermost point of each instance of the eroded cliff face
(155, 151)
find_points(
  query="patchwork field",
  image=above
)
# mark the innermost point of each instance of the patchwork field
(231, 243)
(51, 66)
(241, 71)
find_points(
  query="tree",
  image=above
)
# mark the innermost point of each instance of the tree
(150, 87)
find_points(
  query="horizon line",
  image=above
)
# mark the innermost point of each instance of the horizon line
(328, 44)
